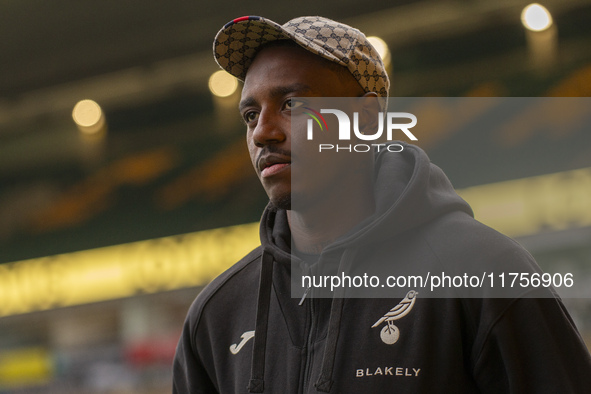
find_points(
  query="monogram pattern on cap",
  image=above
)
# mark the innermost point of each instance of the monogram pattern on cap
(236, 45)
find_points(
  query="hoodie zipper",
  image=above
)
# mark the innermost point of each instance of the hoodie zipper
(304, 296)
(309, 342)
(307, 270)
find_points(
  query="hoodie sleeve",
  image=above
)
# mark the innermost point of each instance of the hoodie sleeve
(188, 373)
(534, 347)
(197, 361)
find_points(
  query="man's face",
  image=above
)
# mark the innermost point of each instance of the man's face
(277, 75)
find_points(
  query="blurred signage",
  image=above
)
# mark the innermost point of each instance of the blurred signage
(25, 367)
(124, 270)
(151, 351)
(532, 205)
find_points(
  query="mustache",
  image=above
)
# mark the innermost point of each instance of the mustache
(272, 149)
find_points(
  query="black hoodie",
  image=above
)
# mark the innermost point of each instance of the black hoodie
(408, 344)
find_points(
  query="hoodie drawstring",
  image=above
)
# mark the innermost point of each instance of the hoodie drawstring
(257, 372)
(257, 375)
(325, 381)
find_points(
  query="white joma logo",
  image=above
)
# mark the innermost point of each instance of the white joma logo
(245, 338)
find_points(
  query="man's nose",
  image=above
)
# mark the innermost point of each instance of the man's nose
(269, 130)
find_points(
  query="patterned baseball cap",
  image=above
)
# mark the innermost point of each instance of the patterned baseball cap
(237, 43)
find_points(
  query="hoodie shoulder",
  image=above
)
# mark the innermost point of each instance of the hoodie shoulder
(459, 239)
(238, 273)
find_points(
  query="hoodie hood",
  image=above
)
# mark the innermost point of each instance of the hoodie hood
(409, 191)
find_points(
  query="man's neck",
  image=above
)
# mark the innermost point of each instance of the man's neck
(321, 223)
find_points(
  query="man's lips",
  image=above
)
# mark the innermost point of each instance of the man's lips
(273, 169)
(272, 164)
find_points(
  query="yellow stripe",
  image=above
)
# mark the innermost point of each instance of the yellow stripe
(532, 205)
(122, 270)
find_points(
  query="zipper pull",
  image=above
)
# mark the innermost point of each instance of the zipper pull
(304, 296)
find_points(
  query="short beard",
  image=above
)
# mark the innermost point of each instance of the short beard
(283, 202)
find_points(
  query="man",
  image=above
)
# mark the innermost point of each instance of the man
(245, 332)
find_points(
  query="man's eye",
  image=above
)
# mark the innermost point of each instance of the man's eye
(293, 104)
(251, 116)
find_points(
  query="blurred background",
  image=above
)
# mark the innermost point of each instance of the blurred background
(126, 186)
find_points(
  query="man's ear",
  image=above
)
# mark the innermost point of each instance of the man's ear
(369, 113)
